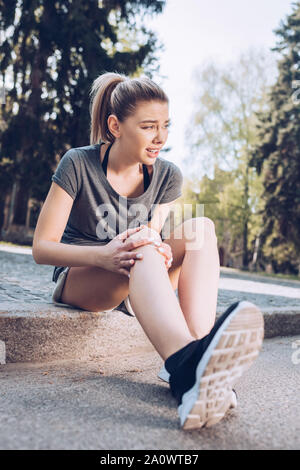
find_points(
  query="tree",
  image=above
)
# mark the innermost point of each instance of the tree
(223, 128)
(221, 198)
(52, 52)
(277, 153)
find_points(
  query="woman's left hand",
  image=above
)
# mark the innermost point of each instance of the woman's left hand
(165, 250)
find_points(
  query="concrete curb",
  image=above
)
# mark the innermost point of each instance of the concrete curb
(2, 353)
(41, 332)
(49, 333)
(283, 321)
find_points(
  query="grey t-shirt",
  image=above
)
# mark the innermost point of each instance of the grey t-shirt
(99, 213)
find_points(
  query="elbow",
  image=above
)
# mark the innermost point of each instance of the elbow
(35, 256)
(36, 253)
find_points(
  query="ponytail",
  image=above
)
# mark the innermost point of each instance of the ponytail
(114, 93)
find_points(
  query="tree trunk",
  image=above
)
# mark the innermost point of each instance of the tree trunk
(27, 222)
(245, 245)
(12, 205)
(21, 206)
(255, 253)
(246, 220)
(2, 207)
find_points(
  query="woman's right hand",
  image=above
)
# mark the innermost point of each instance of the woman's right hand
(118, 256)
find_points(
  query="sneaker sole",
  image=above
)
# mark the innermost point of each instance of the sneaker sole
(164, 376)
(231, 352)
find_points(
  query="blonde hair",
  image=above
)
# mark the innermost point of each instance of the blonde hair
(115, 93)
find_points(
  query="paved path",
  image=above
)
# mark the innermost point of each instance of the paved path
(119, 403)
(22, 278)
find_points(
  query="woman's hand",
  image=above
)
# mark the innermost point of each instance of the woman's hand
(118, 257)
(165, 250)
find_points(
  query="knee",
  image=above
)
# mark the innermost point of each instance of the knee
(199, 230)
(146, 233)
(201, 223)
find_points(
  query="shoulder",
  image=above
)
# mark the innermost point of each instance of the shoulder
(79, 152)
(169, 169)
(78, 155)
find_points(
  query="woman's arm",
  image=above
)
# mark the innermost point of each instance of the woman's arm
(46, 247)
(160, 215)
(62, 254)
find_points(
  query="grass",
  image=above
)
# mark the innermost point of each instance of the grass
(13, 244)
(291, 277)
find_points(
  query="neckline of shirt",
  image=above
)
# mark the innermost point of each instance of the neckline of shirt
(107, 183)
(146, 176)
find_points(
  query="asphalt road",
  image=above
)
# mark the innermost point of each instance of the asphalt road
(119, 403)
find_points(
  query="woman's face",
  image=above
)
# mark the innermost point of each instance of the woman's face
(147, 129)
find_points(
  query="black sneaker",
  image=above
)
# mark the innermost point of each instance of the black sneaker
(203, 372)
(165, 377)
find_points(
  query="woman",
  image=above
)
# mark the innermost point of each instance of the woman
(83, 230)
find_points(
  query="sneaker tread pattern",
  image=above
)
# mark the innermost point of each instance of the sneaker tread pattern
(237, 349)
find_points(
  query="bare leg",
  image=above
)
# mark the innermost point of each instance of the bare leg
(196, 273)
(155, 304)
(198, 282)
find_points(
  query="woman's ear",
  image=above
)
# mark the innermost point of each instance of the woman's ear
(113, 125)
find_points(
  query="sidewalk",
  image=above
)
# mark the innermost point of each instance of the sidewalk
(81, 380)
(34, 329)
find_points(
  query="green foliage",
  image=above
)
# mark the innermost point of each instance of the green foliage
(222, 134)
(222, 197)
(277, 153)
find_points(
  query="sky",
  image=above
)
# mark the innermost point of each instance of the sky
(193, 31)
